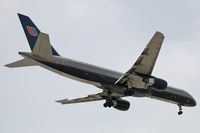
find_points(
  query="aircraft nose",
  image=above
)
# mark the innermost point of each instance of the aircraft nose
(193, 102)
(190, 100)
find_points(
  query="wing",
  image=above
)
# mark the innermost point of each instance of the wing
(144, 64)
(89, 98)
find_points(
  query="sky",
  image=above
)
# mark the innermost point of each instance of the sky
(110, 34)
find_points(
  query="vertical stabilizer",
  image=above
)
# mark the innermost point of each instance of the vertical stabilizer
(42, 47)
(32, 32)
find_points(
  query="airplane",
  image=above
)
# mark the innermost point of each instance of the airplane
(137, 81)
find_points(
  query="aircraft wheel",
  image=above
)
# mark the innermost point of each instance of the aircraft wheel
(109, 105)
(105, 105)
(180, 112)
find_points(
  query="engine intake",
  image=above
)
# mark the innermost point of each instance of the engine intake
(121, 104)
(157, 83)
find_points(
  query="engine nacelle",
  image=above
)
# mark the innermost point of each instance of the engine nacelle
(157, 83)
(121, 104)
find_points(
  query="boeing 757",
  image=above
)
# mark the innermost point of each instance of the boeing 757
(138, 81)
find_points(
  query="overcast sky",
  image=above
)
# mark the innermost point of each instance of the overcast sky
(107, 33)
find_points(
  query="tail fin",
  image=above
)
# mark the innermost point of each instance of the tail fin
(32, 32)
(43, 47)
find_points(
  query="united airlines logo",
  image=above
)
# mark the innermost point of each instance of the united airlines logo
(32, 31)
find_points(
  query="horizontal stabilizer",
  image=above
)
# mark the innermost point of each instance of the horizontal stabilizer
(21, 63)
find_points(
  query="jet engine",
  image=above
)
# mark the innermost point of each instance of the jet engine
(121, 104)
(157, 83)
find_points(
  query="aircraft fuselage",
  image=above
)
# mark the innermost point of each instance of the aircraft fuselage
(105, 79)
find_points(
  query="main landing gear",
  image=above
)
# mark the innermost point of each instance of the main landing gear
(109, 103)
(180, 112)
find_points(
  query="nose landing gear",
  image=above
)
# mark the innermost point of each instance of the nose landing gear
(180, 112)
